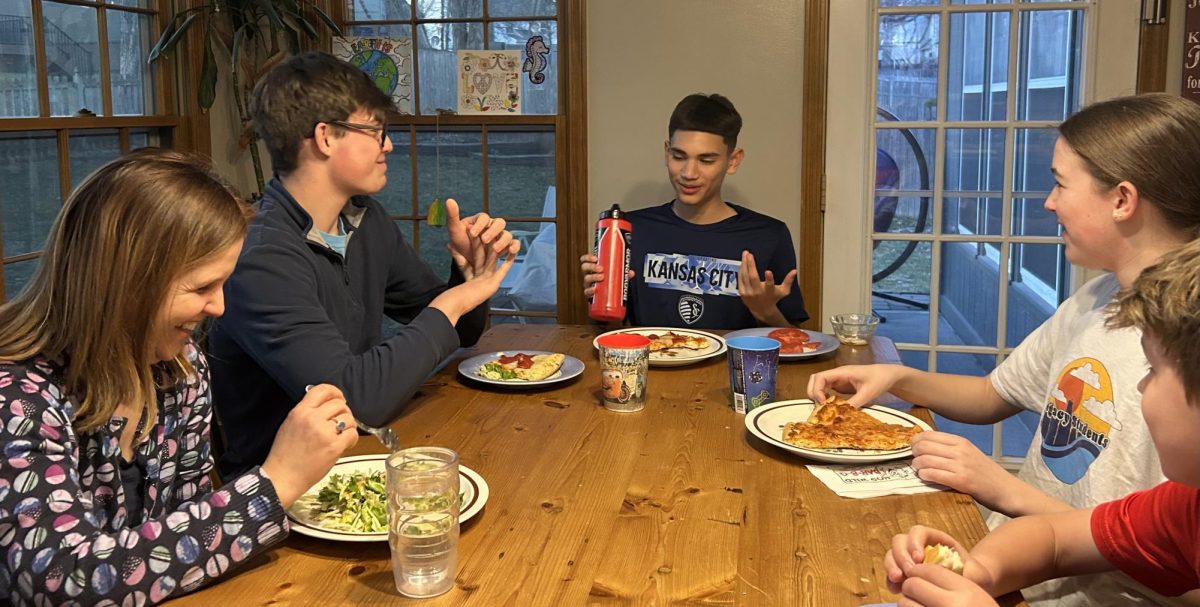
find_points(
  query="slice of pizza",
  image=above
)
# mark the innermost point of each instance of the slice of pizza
(837, 425)
(544, 365)
(671, 340)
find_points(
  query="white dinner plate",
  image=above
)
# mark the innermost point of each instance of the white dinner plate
(675, 357)
(472, 486)
(572, 367)
(767, 421)
(829, 343)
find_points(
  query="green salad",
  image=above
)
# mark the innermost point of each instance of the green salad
(354, 502)
(493, 370)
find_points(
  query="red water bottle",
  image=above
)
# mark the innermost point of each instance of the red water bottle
(613, 234)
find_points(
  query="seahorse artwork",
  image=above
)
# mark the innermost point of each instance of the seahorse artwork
(536, 51)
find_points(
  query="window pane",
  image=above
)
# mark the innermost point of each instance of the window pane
(902, 214)
(908, 66)
(904, 159)
(1049, 63)
(1030, 218)
(141, 138)
(72, 62)
(974, 160)
(1017, 433)
(438, 44)
(916, 359)
(972, 216)
(977, 365)
(29, 190)
(979, 1)
(377, 10)
(522, 8)
(520, 174)
(449, 9)
(397, 195)
(977, 83)
(1032, 154)
(90, 150)
(538, 97)
(450, 165)
(390, 30)
(1035, 288)
(968, 305)
(901, 271)
(888, 3)
(432, 248)
(17, 275)
(532, 283)
(128, 47)
(18, 73)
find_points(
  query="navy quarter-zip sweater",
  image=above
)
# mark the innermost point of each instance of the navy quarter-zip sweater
(298, 313)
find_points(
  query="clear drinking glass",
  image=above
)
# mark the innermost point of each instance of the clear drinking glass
(423, 505)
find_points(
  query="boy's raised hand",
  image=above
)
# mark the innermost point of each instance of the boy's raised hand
(474, 239)
(762, 296)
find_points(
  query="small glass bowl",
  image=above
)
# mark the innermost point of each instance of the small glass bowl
(854, 329)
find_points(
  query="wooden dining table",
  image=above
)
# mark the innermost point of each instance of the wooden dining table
(674, 504)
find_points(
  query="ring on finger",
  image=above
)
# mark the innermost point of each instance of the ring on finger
(339, 425)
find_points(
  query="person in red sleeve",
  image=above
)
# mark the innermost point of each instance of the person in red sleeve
(1152, 536)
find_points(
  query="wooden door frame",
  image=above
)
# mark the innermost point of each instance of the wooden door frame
(812, 159)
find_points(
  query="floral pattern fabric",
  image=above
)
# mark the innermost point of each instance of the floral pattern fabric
(63, 537)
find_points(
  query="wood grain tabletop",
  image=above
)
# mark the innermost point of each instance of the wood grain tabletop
(676, 504)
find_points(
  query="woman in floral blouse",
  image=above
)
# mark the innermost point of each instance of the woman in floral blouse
(104, 400)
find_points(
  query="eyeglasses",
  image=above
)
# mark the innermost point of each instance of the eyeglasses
(378, 132)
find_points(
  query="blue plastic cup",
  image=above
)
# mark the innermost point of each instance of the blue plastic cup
(753, 363)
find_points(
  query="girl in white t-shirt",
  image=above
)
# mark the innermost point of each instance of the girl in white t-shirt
(1127, 190)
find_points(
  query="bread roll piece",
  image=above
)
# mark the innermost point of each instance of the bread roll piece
(945, 556)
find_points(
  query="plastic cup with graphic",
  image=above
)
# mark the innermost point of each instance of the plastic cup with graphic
(624, 360)
(753, 363)
(423, 505)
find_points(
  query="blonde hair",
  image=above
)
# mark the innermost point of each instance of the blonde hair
(1151, 141)
(1164, 303)
(119, 242)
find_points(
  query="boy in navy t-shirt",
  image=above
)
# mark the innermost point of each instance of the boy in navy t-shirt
(696, 260)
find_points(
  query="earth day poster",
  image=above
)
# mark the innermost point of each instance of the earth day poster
(388, 61)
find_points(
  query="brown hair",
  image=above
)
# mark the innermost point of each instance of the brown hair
(1164, 302)
(1151, 141)
(707, 114)
(119, 242)
(304, 90)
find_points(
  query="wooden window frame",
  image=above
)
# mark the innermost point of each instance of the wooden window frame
(569, 126)
(182, 129)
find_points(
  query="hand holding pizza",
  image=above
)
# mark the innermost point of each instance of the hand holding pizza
(865, 382)
(953, 461)
(927, 583)
(934, 586)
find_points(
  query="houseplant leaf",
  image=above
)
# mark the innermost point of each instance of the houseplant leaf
(171, 37)
(206, 93)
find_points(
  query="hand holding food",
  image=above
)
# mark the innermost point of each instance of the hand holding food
(941, 554)
(865, 383)
(316, 432)
(909, 549)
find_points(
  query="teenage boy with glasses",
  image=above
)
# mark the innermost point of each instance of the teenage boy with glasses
(323, 263)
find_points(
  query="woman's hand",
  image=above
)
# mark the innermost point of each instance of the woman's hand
(312, 438)
(864, 382)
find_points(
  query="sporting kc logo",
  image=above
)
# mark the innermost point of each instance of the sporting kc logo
(691, 308)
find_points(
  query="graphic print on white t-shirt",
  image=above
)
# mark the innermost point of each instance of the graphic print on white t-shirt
(1078, 418)
(696, 274)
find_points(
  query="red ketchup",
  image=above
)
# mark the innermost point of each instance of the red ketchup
(613, 234)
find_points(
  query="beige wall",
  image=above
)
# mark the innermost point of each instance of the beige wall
(643, 57)
(231, 162)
